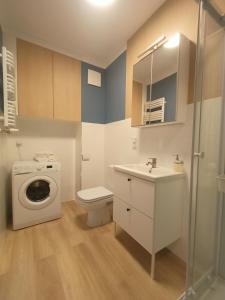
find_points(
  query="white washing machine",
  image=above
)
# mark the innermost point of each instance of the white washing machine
(35, 192)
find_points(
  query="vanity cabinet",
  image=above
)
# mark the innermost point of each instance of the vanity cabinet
(49, 84)
(150, 212)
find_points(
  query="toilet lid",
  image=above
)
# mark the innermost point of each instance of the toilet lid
(94, 194)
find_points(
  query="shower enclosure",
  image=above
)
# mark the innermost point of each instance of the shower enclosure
(206, 265)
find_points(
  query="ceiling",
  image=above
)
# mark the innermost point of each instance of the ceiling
(75, 27)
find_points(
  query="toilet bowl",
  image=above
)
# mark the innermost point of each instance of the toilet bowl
(96, 201)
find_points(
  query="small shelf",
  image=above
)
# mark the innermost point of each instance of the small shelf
(159, 124)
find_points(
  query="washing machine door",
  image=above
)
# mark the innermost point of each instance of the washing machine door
(38, 192)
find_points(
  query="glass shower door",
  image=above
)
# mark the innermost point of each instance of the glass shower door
(207, 154)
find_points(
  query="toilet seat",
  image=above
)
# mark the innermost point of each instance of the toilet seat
(94, 194)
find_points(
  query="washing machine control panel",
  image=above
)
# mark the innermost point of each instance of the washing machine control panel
(23, 167)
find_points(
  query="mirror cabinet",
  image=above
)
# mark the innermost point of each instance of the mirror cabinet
(162, 83)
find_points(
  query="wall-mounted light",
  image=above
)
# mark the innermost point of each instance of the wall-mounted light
(101, 2)
(173, 42)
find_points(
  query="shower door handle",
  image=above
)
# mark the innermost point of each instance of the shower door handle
(199, 154)
(221, 183)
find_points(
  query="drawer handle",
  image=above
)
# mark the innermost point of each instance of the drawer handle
(128, 209)
(129, 179)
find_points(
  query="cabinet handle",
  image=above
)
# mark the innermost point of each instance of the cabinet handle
(129, 179)
(128, 209)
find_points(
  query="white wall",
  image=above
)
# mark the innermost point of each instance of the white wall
(3, 184)
(161, 142)
(93, 139)
(52, 136)
(78, 156)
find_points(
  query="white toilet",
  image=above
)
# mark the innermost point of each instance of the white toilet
(97, 202)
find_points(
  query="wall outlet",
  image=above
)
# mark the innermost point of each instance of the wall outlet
(19, 144)
(134, 143)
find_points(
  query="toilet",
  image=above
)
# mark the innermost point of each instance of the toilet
(97, 202)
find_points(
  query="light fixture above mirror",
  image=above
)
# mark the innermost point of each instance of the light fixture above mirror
(169, 43)
(173, 42)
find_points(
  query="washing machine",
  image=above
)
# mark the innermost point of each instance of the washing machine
(35, 193)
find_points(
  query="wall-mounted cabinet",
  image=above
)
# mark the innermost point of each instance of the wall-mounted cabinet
(67, 88)
(162, 83)
(34, 77)
(49, 84)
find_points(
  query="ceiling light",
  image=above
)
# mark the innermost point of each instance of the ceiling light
(173, 42)
(101, 2)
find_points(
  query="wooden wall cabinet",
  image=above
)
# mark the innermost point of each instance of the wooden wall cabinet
(49, 84)
(67, 88)
(34, 77)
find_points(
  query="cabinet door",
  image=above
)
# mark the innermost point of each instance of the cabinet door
(142, 196)
(141, 229)
(122, 186)
(67, 88)
(34, 77)
(121, 214)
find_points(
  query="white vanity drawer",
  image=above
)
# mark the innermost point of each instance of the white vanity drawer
(142, 196)
(143, 210)
(141, 229)
(122, 186)
(121, 214)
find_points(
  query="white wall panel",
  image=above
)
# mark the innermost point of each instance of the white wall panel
(3, 184)
(93, 138)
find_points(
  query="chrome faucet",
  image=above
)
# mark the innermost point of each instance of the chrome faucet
(152, 161)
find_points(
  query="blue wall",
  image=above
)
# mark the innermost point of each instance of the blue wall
(115, 89)
(93, 98)
(168, 87)
(107, 103)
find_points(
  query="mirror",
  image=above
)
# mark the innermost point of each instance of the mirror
(164, 80)
(141, 88)
(159, 80)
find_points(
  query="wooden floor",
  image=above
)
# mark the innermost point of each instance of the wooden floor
(65, 260)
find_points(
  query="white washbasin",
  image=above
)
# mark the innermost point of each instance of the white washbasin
(143, 171)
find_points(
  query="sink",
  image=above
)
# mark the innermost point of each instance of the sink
(142, 171)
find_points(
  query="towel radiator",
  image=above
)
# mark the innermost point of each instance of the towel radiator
(154, 111)
(9, 92)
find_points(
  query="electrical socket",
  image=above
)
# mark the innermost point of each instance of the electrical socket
(19, 144)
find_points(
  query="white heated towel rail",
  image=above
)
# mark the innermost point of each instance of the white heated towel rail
(9, 91)
(154, 111)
